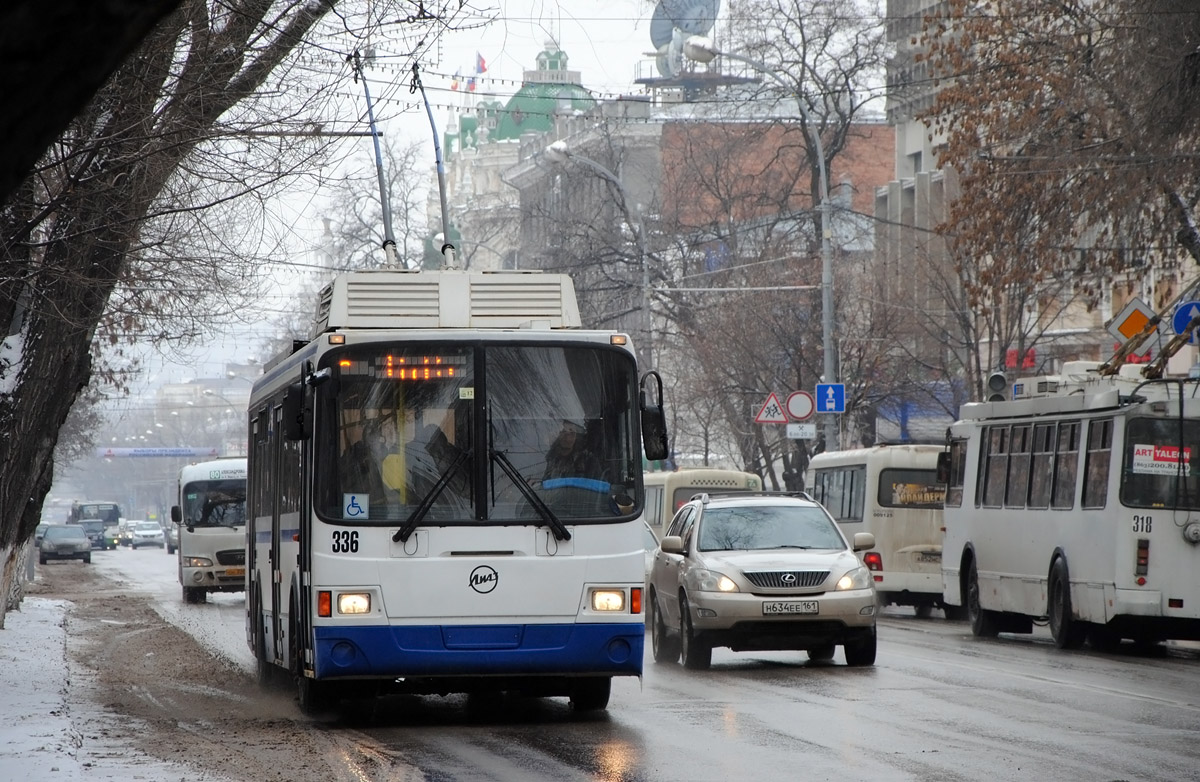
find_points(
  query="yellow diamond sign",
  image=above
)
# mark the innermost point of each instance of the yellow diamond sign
(1130, 321)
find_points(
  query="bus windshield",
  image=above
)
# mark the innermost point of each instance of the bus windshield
(482, 432)
(220, 503)
(1158, 472)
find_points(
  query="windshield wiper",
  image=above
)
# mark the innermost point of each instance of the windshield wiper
(402, 535)
(792, 545)
(557, 527)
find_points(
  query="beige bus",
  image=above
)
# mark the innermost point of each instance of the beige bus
(892, 492)
(667, 491)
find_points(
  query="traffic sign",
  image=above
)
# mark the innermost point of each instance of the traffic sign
(800, 405)
(1130, 321)
(1183, 316)
(831, 398)
(802, 431)
(771, 412)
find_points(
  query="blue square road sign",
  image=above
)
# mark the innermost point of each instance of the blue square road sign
(831, 397)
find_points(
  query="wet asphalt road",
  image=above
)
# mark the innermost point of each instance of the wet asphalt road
(938, 705)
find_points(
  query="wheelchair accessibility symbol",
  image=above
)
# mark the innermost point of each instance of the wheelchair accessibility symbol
(355, 506)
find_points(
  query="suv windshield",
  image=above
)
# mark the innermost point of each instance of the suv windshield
(469, 433)
(767, 527)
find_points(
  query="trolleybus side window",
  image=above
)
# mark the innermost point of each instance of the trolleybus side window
(958, 473)
(261, 466)
(1095, 471)
(1066, 465)
(1042, 468)
(1018, 467)
(994, 465)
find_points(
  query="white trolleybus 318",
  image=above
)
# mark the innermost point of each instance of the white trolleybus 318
(1078, 501)
(211, 516)
(891, 491)
(445, 493)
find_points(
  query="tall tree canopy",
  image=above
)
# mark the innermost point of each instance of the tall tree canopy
(149, 215)
(1073, 126)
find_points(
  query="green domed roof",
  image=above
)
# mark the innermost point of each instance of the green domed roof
(533, 108)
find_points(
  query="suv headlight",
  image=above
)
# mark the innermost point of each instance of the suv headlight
(712, 581)
(858, 578)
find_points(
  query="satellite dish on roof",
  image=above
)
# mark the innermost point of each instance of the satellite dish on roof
(672, 17)
(660, 26)
(696, 17)
(670, 57)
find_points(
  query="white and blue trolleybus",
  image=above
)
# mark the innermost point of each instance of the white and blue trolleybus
(445, 489)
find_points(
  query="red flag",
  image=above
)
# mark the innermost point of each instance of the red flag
(471, 84)
(480, 64)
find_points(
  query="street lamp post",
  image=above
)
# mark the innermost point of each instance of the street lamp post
(702, 50)
(559, 153)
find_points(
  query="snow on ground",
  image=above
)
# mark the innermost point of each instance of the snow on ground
(37, 741)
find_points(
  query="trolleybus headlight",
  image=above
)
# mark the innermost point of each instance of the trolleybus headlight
(197, 562)
(608, 599)
(859, 578)
(1191, 532)
(354, 603)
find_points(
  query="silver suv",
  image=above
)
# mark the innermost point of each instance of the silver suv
(759, 572)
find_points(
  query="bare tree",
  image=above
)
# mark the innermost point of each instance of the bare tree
(1071, 126)
(109, 238)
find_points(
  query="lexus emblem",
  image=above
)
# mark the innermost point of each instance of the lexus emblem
(484, 579)
(788, 578)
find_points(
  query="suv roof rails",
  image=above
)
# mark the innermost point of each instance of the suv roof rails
(705, 496)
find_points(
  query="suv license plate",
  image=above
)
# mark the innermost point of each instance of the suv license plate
(772, 607)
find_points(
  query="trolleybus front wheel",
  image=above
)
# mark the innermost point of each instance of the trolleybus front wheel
(591, 693)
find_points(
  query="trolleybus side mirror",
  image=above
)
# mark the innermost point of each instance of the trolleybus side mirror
(943, 467)
(176, 514)
(654, 421)
(297, 413)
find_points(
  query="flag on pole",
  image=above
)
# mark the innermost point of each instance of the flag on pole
(454, 81)
(471, 84)
(480, 63)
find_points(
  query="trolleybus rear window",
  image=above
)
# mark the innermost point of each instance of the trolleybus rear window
(1160, 464)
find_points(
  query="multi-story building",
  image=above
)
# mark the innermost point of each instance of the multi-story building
(1053, 323)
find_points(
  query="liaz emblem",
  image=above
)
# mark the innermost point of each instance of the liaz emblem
(484, 579)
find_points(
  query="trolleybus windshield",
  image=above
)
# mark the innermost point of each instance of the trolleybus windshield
(491, 431)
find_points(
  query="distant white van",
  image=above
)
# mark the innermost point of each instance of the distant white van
(892, 492)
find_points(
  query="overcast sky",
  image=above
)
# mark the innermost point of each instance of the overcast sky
(604, 40)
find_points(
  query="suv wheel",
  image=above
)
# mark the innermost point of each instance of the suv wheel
(697, 652)
(665, 647)
(862, 651)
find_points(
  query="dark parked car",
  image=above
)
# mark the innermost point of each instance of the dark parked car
(65, 541)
